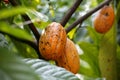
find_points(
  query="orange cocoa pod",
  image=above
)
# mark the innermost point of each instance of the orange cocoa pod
(104, 19)
(70, 59)
(52, 41)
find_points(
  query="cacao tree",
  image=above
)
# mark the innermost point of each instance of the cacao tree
(65, 30)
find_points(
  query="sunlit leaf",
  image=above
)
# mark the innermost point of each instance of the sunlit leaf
(5, 13)
(35, 15)
(71, 33)
(16, 32)
(40, 20)
(47, 70)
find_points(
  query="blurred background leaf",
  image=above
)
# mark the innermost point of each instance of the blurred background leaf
(12, 67)
(5, 13)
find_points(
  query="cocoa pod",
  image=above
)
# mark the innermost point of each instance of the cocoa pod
(104, 19)
(70, 59)
(52, 41)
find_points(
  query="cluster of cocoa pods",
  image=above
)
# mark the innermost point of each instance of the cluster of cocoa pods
(54, 45)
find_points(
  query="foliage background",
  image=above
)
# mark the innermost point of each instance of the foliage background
(43, 12)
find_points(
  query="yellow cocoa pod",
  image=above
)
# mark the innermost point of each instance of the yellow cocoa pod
(52, 41)
(70, 59)
(104, 19)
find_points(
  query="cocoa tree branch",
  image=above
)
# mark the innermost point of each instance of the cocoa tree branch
(32, 27)
(26, 18)
(33, 44)
(81, 19)
(68, 15)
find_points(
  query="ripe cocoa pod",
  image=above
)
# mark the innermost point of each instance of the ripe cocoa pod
(52, 41)
(70, 59)
(104, 19)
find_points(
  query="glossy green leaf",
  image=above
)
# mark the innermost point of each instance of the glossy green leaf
(47, 70)
(16, 32)
(5, 13)
(13, 68)
(89, 63)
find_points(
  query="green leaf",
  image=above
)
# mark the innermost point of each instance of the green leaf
(96, 37)
(16, 32)
(3, 42)
(13, 68)
(47, 70)
(71, 33)
(25, 50)
(5, 13)
(89, 59)
(40, 20)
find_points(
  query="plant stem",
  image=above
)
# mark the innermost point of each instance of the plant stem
(68, 15)
(26, 18)
(81, 19)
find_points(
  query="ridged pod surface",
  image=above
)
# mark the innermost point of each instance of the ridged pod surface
(104, 19)
(70, 59)
(52, 41)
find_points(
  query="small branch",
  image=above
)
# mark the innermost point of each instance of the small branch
(26, 18)
(33, 29)
(68, 15)
(13, 2)
(33, 44)
(81, 19)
